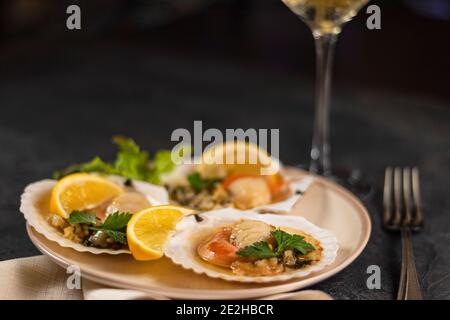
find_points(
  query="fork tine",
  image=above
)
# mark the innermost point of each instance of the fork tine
(407, 196)
(418, 217)
(397, 197)
(404, 189)
(387, 197)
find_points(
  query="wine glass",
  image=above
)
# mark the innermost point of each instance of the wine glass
(325, 18)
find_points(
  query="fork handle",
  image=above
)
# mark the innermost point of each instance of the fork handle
(409, 288)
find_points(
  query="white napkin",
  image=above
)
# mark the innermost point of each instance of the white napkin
(95, 291)
(38, 278)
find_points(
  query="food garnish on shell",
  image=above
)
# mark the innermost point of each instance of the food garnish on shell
(89, 237)
(102, 225)
(246, 246)
(210, 186)
(255, 248)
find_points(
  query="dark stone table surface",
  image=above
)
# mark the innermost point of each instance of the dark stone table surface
(62, 105)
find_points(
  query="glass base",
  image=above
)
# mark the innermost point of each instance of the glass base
(352, 179)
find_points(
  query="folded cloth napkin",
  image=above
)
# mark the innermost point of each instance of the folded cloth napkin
(38, 278)
(34, 278)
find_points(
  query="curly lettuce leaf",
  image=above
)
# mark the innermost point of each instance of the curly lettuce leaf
(95, 165)
(131, 162)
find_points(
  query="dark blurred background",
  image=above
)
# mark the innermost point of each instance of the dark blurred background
(410, 54)
(146, 67)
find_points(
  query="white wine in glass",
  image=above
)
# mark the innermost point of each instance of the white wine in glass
(325, 18)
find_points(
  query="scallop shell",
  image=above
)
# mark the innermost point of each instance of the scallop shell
(35, 202)
(182, 247)
(298, 187)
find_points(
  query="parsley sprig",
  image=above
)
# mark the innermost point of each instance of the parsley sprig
(198, 183)
(77, 217)
(114, 225)
(284, 241)
(260, 250)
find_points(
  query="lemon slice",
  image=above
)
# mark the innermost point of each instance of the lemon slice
(236, 157)
(149, 229)
(81, 191)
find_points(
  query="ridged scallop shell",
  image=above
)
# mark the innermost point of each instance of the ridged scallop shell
(182, 247)
(35, 202)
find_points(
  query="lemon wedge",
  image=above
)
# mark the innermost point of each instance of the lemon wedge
(236, 158)
(149, 229)
(81, 191)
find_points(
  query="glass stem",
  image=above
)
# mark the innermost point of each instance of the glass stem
(320, 151)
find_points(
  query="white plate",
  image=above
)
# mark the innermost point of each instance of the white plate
(325, 204)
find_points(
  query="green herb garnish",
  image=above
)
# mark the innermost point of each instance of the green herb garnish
(259, 250)
(77, 217)
(284, 241)
(198, 183)
(95, 165)
(117, 236)
(116, 221)
(131, 162)
(163, 162)
(114, 225)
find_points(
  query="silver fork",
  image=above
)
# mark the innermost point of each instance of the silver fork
(403, 212)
